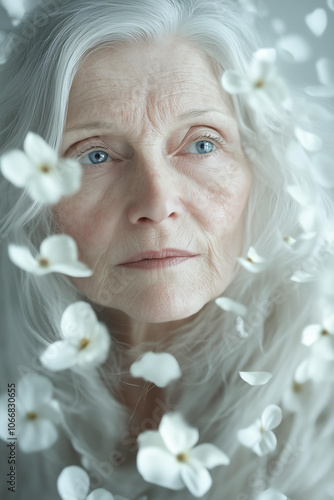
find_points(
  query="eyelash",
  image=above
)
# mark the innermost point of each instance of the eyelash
(201, 137)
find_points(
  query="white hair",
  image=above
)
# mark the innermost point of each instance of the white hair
(47, 49)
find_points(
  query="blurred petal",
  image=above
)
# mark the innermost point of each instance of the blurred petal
(330, 4)
(271, 494)
(302, 373)
(22, 257)
(38, 150)
(159, 368)
(231, 305)
(71, 174)
(323, 170)
(267, 444)
(234, 82)
(197, 479)
(75, 269)
(45, 188)
(34, 390)
(60, 355)
(37, 435)
(59, 248)
(320, 91)
(255, 378)
(209, 455)
(73, 483)
(294, 48)
(271, 417)
(317, 21)
(17, 168)
(100, 494)
(311, 334)
(310, 142)
(325, 71)
(77, 318)
(250, 436)
(159, 467)
(177, 435)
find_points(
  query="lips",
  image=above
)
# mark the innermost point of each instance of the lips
(158, 254)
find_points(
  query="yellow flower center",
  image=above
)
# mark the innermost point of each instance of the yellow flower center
(259, 84)
(83, 343)
(249, 259)
(43, 262)
(182, 457)
(45, 169)
(31, 415)
(296, 387)
(324, 332)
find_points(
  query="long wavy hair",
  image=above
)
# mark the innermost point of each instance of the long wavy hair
(46, 50)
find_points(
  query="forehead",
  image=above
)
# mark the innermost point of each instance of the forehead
(163, 77)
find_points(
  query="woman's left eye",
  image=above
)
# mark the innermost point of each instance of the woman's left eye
(204, 146)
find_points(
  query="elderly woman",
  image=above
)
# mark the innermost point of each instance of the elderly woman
(166, 260)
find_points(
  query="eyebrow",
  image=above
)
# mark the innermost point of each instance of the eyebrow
(108, 125)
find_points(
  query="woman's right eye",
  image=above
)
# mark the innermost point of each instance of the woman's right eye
(94, 158)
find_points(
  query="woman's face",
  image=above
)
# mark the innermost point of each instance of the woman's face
(163, 169)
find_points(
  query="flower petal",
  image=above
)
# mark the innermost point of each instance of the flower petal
(22, 257)
(271, 494)
(96, 352)
(59, 356)
(71, 174)
(177, 435)
(158, 466)
(77, 319)
(310, 142)
(73, 483)
(75, 269)
(59, 248)
(37, 435)
(234, 82)
(271, 417)
(325, 71)
(294, 48)
(266, 444)
(209, 455)
(311, 334)
(17, 168)
(317, 21)
(320, 90)
(38, 151)
(231, 305)
(33, 391)
(250, 436)
(323, 170)
(100, 494)
(196, 478)
(255, 378)
(45, 188)
(159, 368)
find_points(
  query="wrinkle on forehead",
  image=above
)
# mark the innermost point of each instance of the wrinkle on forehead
(159, 79)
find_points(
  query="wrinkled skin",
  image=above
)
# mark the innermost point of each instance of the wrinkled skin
(155, 190)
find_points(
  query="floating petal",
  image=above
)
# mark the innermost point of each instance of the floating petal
(159, 368)
(317, 21)
(255, 378)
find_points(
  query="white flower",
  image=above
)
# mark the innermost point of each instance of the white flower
(57, 254)
(85, 342)
(36, 414)
(317, 21)
(73, 484)
(259, 436)
(315, 368)
(231, 305)
(310, 142)
(46, 177)
(321, 337)
(255, 378)
(254, 263)
(167, 457)
(262, 85)
(297, 396)
(159, 368)
(271, 494)
(293, 48)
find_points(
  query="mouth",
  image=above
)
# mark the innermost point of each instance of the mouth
(154, 259)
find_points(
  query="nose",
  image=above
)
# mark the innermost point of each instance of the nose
(154, 193)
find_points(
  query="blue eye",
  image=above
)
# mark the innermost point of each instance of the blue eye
(97, 157)
(204, 147)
